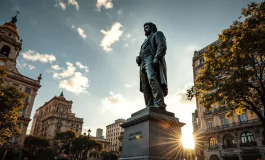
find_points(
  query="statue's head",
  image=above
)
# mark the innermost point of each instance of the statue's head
(149, 27)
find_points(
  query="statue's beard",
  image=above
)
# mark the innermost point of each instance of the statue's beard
(147, 33)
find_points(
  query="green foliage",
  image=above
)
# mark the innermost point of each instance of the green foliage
(109, 156)
(11, 103)
(84, 143)
(233, 73)
(65, 139)
(35, 141)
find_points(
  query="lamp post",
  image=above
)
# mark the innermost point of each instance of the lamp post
(89, 131)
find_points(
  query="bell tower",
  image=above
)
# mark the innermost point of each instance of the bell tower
(10, 44)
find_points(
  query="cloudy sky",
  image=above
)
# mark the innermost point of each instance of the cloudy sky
(87, 49)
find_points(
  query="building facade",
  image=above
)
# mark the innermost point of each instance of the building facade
(113, 133)
(55, 116)
(99, 133)
(238, 138)
(10, 46)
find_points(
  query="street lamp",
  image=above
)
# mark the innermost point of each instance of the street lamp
(89, 131)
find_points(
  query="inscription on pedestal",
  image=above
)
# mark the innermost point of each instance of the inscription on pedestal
(135, 135)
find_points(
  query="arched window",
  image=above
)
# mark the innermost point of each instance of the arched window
(229, 141)
(212, 143)
(5, 50)
(247, 137)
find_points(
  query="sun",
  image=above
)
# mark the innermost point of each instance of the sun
(187, 140)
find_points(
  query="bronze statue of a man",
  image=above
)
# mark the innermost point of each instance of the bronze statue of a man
(153, 71)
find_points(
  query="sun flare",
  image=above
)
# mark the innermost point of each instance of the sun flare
(187, 140)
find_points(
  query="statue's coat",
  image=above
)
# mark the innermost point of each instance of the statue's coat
(158, 46)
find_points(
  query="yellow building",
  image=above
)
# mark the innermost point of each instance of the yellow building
(10, 46)
(55, 116)
(238, 138)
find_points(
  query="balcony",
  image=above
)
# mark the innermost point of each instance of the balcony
(234, 125)
(229, 146)
(248, 144)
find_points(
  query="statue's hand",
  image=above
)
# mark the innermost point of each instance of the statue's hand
(155, 62)
(138, 60)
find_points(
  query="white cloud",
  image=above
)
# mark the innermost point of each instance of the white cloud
(70, 80)
(126, 45)
(127, 36)
(118, 105)
(65, 73)
(133, 40)
(56, 67)
(31, 67)
(104, 3)
(35, 56)
(74, 3)
(77, 83)
(130, 85)
(111, 36)
(81, 33)
(73, 26)
(82, 66)
(60, 4)
(120, 12)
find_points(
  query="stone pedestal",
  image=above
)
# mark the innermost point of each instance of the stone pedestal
(152, 134)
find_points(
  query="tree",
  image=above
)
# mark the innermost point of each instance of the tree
(65, 139)
(233, 73)
(36, 141)
(12, 101)
(82, 144)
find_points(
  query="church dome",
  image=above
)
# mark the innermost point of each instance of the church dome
(10, 29)
(10, 26)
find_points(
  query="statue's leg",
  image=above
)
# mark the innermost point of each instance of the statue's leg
(148, 97)
(156, 89)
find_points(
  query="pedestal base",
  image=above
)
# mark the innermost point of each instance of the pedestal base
(152, 134)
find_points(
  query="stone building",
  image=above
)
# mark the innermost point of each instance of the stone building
(238, 138)
(55, 116)
(99, 133)
(112, 134)
(10, 46)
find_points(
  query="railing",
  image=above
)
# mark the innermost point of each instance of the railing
(248, 144)
(215, 110)
(229, 146)
(232, 125)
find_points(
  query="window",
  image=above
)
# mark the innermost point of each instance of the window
(14, 139)
(210, 125)
(27, 90)
(213, 142)
(2, 63)
(229, 141)
(5, 50)
(247, 137)
(225, 122)
(243, 118)
(14, 84)
(202, 61)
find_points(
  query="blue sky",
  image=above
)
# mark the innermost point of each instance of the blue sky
(87, 49)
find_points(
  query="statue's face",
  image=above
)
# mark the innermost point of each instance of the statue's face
(147, 30)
